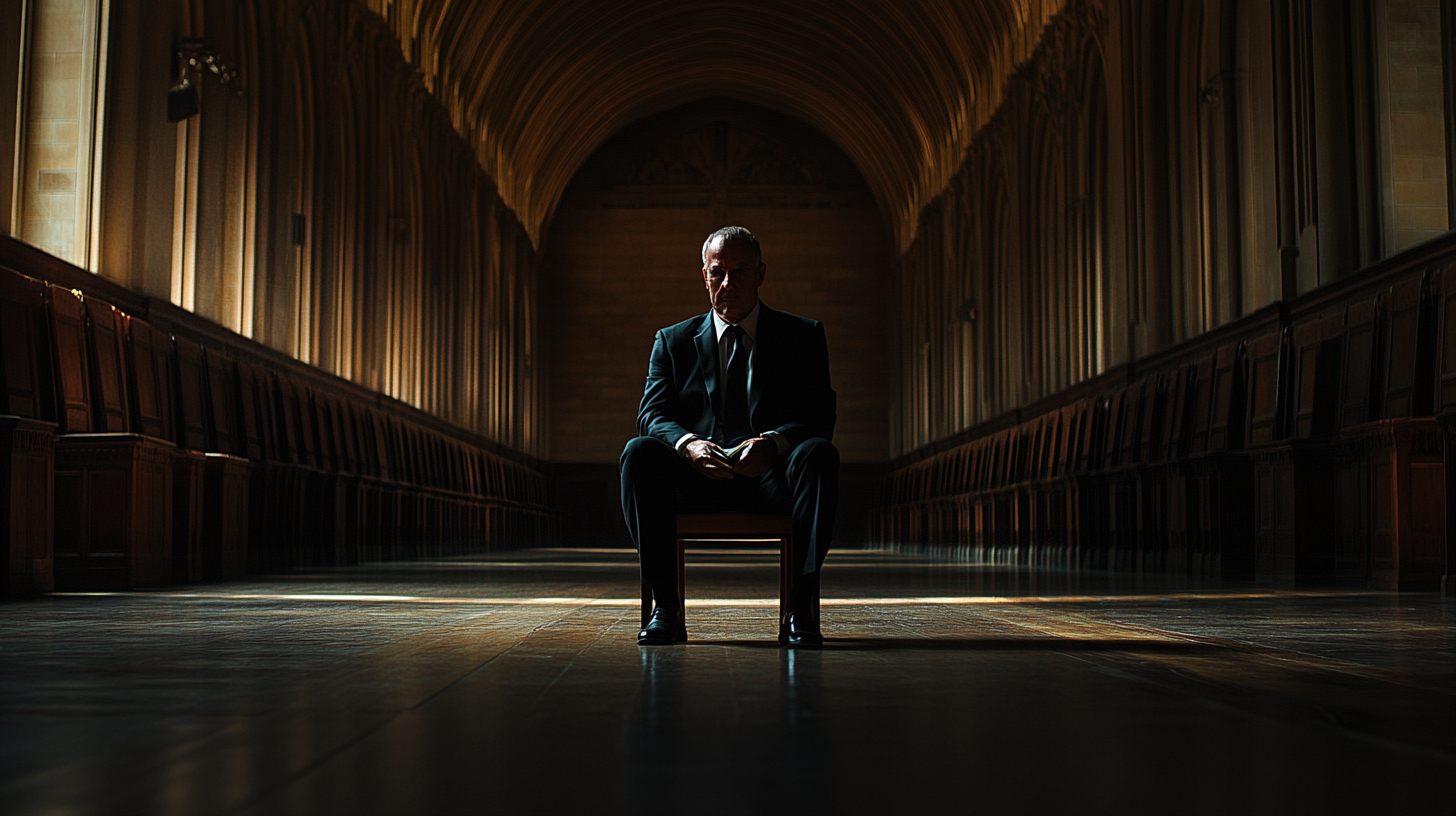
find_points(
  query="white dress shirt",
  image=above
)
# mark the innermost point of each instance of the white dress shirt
(750, 332)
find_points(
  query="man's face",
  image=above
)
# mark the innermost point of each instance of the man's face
(732, 276)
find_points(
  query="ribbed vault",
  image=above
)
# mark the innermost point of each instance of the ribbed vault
(536, 85)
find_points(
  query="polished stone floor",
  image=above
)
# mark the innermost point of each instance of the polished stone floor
(512, 683)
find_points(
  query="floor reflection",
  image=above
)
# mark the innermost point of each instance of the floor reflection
(652, 736)
(946, 684)
(764, 735)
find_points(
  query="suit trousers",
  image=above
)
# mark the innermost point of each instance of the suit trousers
(658, 483)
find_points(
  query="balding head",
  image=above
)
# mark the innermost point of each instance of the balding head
(732, 235)
(733, 270)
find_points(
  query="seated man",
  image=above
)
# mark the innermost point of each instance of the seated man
(740, 375)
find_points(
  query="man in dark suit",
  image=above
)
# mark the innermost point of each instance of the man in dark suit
(742, 374)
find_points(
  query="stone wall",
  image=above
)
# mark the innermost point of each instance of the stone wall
(623, 261)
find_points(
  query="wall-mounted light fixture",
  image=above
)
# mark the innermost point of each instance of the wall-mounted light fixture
(196, 55)
(181, 100)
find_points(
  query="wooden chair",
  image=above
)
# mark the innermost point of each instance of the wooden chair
(730, 527)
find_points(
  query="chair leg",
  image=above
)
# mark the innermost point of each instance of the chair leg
(786, 584)
(682, 580)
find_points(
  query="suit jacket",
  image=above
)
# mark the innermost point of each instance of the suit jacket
(788, 389)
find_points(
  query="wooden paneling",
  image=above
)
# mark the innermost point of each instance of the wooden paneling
(1200, 404)
(1178, 412)
(1318, 492)
(1304, 358)
(25, 361)
(221, 403)
(123, 510)
(254, 418)
(1407, 350)
(1351, 512)
(285, 407)
(225, 518)
(106, 335)
(26, 496)
(1294, 533)
(1316, 359)
(188, 514)
(191, 396)
(72, 364)
(1267, 371)
(152, 365)
(1360, 372)
(1229, 394)
(1221, 498)
(1444, 287)
(1406, 483)
(113, 512)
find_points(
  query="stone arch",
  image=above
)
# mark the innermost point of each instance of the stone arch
(622, 257)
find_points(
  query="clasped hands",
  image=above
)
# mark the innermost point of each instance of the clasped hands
(708, 459)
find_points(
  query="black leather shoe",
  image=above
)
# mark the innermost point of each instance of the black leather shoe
(803, 631)
(663, 629)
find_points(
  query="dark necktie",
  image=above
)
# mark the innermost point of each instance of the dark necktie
(735, 392)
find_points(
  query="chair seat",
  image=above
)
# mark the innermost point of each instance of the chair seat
(734, 526)
(730, 527)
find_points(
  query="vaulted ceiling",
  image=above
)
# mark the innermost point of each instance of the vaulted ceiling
(537, 85)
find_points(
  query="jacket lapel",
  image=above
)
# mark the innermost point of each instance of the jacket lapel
(762, 359)
(707, 342)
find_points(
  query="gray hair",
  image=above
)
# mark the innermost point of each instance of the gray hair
(732, 235)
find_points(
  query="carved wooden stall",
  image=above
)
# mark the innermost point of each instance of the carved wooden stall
(1219, 224)
(140, 446)
(1303, 445)
(1444, 405)
(27, 426)
(113, 499)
